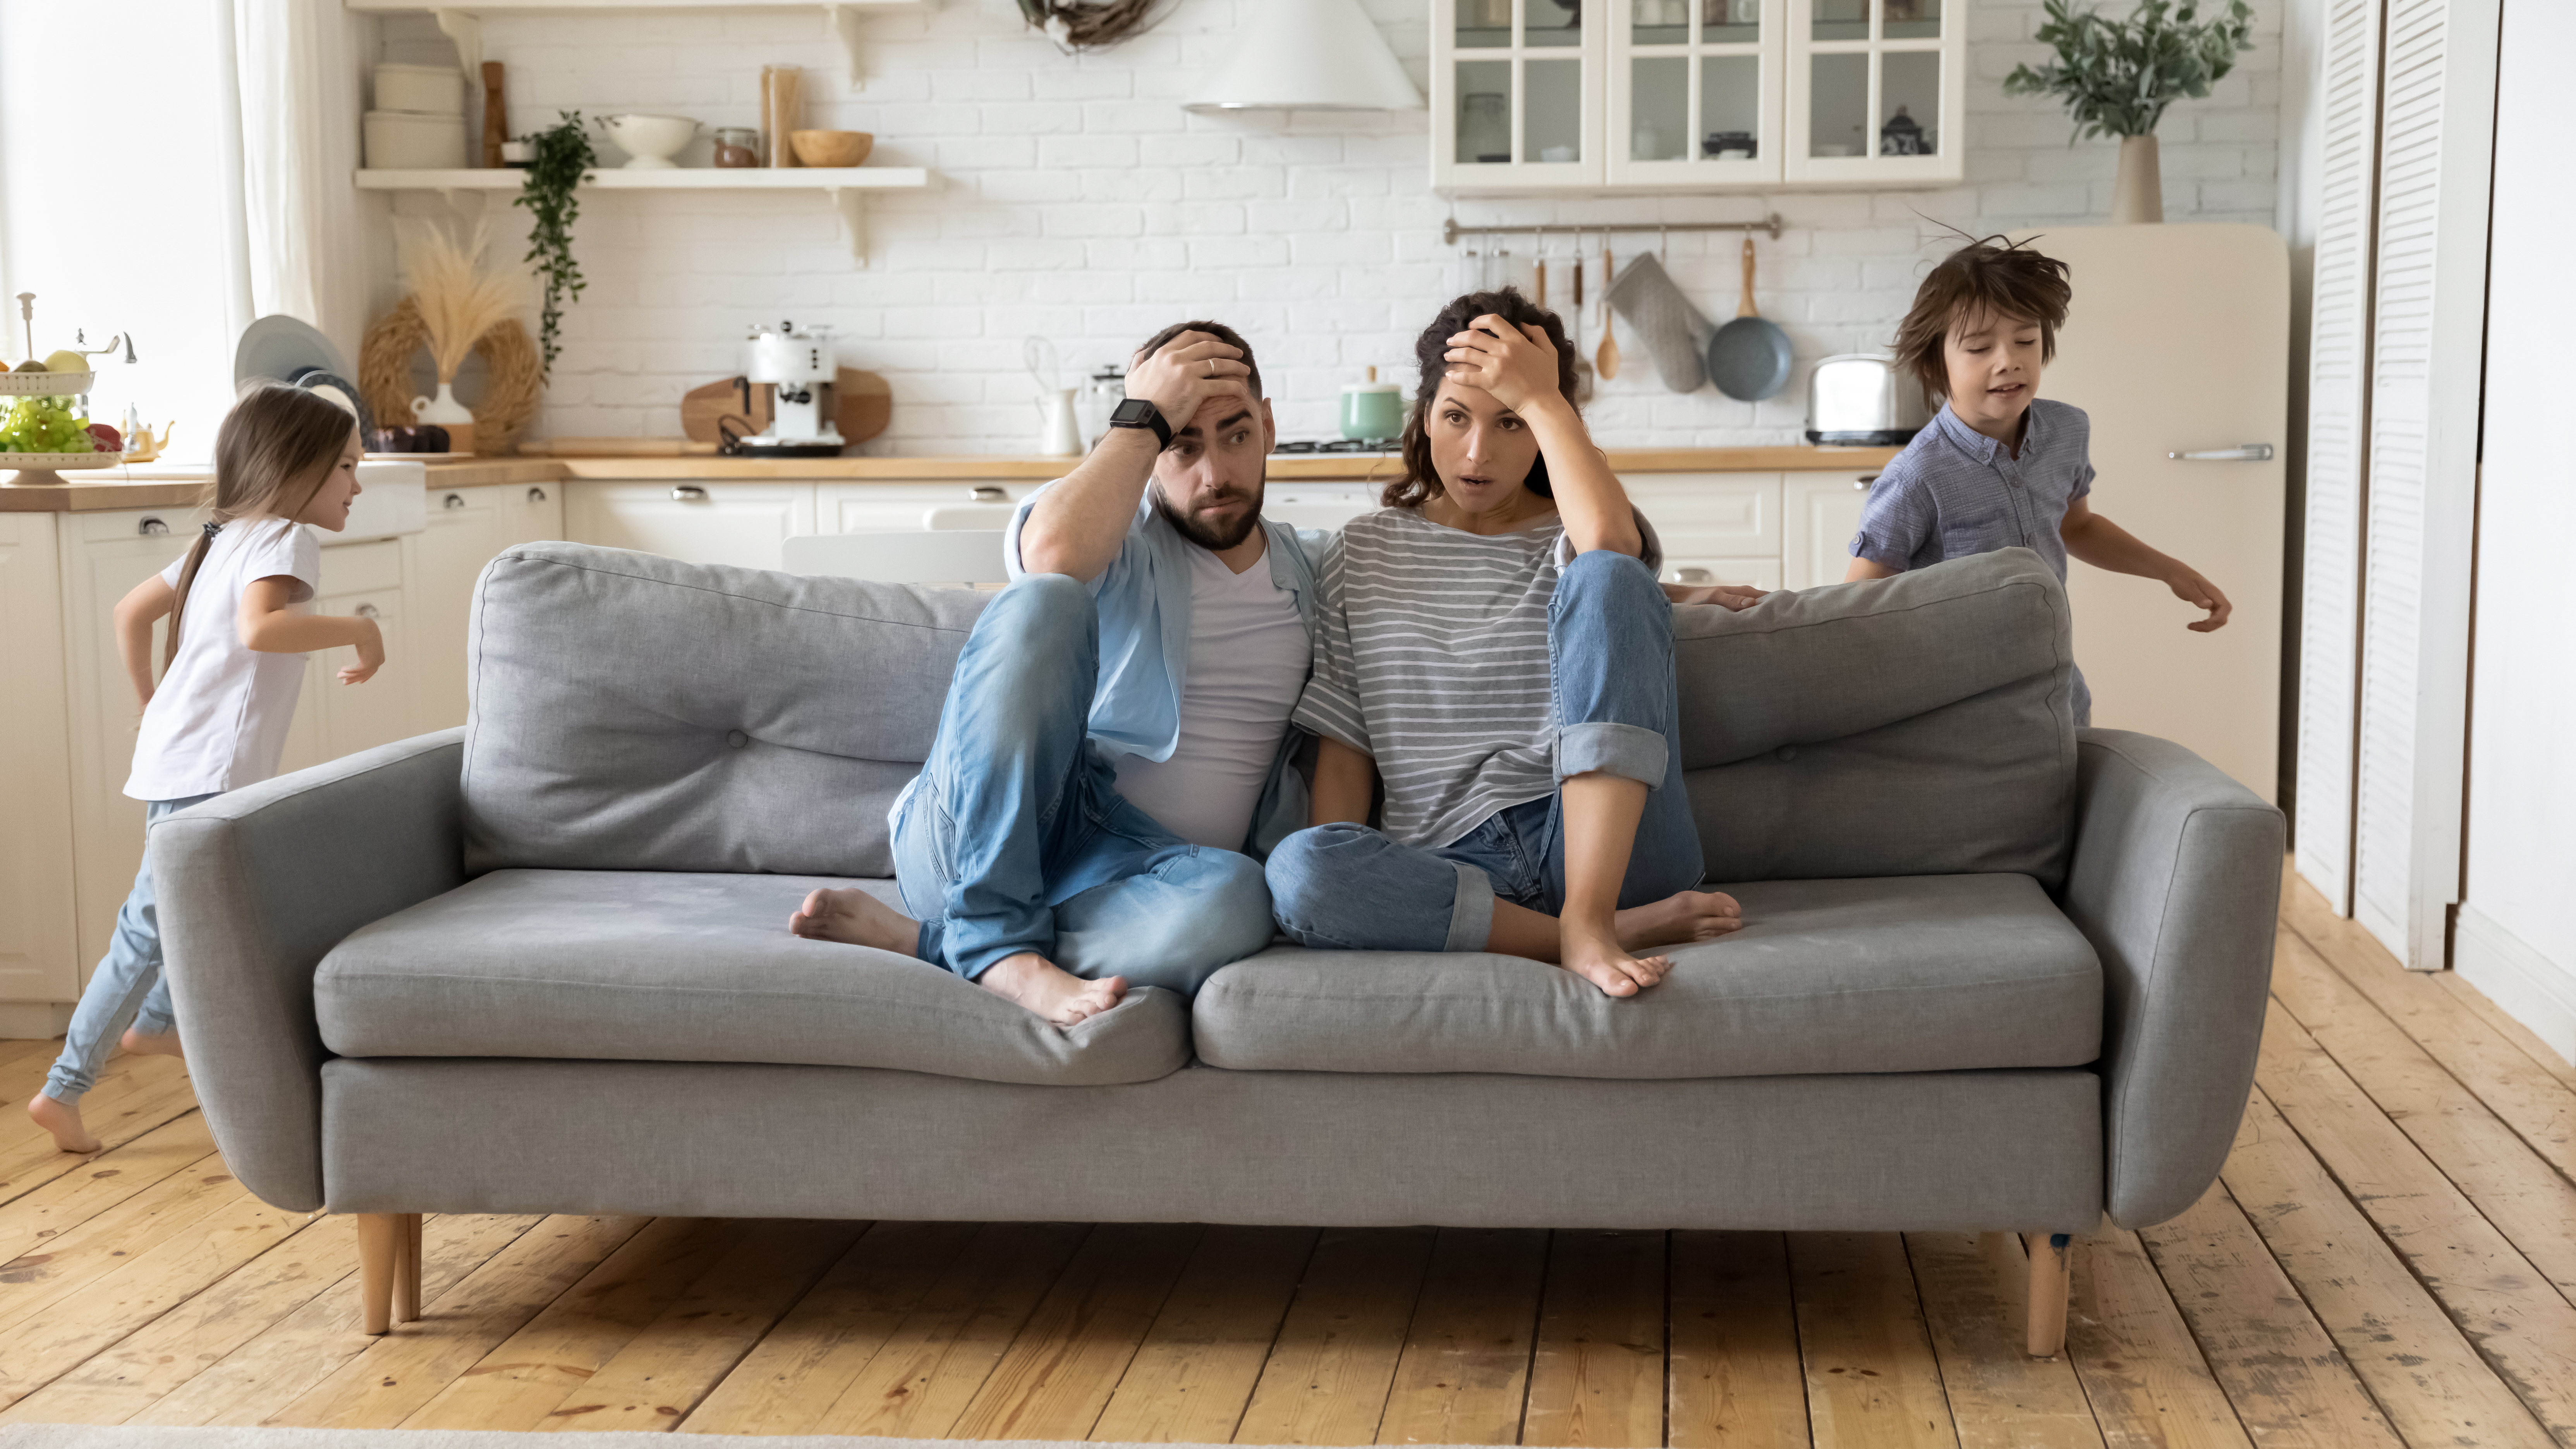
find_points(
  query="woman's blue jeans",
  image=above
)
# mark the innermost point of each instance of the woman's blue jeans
(1015, 837)
(1610, 654)
(127, 989)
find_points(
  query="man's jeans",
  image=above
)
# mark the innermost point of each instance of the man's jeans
(1015, 837)
(1610, 653)
(127, 988)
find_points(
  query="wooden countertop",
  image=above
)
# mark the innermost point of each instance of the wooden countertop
(109, 488)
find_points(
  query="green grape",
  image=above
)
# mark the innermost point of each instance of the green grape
(45, 425)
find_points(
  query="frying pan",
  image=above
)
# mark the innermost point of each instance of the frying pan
(1748, 359)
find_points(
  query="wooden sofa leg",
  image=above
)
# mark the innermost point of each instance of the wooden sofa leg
(378, 1237)
(406, 1295)
(2048, 1293)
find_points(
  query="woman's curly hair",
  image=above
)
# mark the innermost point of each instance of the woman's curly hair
(1421, 482)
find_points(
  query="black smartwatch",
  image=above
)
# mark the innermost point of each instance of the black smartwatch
(1136, 412)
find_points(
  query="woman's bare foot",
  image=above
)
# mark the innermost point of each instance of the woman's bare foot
(1679, 919)
(63, 1120)
(1049, 990)
(855, 918)
(1598, 957)
(166, 1044)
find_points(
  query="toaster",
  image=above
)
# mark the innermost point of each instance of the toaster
(1863, 399)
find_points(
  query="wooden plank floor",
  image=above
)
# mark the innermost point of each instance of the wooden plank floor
(2388, 1261)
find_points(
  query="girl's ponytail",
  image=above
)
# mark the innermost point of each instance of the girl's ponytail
(275, 450)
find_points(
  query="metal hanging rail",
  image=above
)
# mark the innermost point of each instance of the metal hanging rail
(1450, 230)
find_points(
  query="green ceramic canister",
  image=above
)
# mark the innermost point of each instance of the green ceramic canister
(1372, 411)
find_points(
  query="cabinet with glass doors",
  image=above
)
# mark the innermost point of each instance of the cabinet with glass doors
(1682, 95)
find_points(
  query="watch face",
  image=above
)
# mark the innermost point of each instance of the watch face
(1134, 410)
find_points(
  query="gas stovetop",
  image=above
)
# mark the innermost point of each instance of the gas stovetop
(1333, 445)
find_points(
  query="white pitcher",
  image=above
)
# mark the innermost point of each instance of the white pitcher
(441, 409)
(1059, 436)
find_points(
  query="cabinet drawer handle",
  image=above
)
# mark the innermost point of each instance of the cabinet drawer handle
(536, 495)
(988, 495)
(1694, 576)
(688, 493)
(152, 528)
(369, 611)
(454, 500)
(1862, 484)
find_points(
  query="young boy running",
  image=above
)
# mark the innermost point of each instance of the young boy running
(1998, 467)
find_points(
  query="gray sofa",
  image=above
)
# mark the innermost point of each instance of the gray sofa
(1998, 973)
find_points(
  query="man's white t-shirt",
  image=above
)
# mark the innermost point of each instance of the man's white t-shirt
(218, 720)
(1248, 660)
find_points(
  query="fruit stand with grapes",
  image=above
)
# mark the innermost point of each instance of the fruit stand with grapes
(44, 428)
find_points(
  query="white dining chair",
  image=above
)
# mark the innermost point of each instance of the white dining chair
(948, 557)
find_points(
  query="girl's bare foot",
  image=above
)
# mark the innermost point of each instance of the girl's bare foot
(63, 1120)
(1049, 990)
(855, 918)
(1599, 958)
(1679, 919)
(164, 1045)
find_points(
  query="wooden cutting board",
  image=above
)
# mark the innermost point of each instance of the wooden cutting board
(862, 405)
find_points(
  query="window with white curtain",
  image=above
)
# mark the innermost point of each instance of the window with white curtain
(112, 202)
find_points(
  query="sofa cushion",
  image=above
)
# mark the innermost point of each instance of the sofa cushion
(696, 968)
(1908, 974)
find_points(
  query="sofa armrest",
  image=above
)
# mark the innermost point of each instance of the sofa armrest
(2176, 880)
(256, 887)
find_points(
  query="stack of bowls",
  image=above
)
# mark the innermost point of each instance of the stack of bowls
(419, 120)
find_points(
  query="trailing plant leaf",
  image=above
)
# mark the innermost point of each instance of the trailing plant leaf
(564, 158)
(2117, 77)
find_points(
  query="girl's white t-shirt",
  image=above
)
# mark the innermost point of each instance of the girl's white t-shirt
(218, 721)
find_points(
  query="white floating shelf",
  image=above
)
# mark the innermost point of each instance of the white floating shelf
(844, 185)
(463, 22)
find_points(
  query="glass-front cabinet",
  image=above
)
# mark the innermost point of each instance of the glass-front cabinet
(1684, 95)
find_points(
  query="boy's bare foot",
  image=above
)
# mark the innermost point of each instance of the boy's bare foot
(1679, 919)
(1049, 990)
(63, 1120)
(164, 1045)
(855, 918)
(1598, 957)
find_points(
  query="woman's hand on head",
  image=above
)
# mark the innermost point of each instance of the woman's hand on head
(1516, 364)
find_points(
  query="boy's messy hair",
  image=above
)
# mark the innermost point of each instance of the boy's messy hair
(1987, 277)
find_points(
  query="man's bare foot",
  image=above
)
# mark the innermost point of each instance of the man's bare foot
(1600, 959)
(63, 1120)
(1679, 919)
(165, 1044)
(855, 918)
(1049, 990)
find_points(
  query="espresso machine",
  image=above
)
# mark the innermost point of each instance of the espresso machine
(798, 362)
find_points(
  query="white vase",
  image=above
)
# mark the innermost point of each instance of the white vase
(2139, 194)
(1059, 435)
(441, 409)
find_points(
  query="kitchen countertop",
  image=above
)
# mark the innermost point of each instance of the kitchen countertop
(112, 488)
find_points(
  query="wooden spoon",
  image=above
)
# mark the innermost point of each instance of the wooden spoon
(1605, 360)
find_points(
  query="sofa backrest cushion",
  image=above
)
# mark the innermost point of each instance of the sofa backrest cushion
(1918, 725)
(633, 712)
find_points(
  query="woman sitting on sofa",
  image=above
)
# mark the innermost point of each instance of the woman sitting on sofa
(1493, 647)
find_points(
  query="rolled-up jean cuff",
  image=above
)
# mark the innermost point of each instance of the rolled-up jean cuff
(1624, 750)
(1471, 916)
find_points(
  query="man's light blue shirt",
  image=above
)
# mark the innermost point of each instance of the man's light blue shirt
(1144, 602)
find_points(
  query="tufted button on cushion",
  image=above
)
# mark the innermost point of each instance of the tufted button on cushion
(1785, 753)
(737, 738)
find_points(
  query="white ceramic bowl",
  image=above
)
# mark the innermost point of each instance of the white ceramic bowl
(651, 140)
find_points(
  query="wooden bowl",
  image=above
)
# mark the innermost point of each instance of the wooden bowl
(832, 148)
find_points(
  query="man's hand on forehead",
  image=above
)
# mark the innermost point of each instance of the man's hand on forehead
(1186, 373)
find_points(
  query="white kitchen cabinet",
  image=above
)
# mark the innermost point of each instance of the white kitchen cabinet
(366, 581)
(1318, 505)
(742, 524)
(1695, 95)
(38, 922)
(103, 556)
(1758, 573)
(1819, 514)
(899, 507)
(467, 527)
(1711, 515)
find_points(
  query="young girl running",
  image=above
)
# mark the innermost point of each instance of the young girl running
(240, 623)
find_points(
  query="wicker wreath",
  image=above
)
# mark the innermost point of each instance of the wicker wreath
(515, 375)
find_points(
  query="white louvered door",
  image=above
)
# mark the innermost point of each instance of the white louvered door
(2338, 392)
(2436, 140)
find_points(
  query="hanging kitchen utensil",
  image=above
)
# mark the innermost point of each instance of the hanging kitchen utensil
(1578, 274)
(1039, 357)
(1676, 335)
(1749, 358)
(1605, 360)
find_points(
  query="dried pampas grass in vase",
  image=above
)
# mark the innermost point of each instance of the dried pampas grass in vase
(459, 300)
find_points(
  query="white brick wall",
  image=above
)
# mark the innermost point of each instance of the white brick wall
(1079, 202)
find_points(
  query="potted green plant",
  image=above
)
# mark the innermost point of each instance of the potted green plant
(2117, 77)
(564, 159)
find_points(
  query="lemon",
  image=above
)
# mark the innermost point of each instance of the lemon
(66, 360)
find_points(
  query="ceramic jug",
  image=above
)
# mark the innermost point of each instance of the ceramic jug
(448, 413)
(1059, 434)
